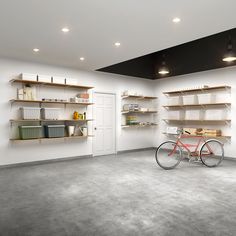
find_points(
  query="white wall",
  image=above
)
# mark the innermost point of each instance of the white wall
(33, 150)
(226, 76)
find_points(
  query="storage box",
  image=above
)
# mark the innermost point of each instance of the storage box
(30, 132)
(172, 101)
(51, 113)
(192, 131)
(55, 131)
(190, 99)
(216, 114)
(194, 115)
(172, 130)
(206, 98)
(176, 115)
(223, 98)
(71, 81)
(30, 113)
(27, 76)
(58, 80)
(45, 78)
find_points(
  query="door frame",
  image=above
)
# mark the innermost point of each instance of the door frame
(115, 120)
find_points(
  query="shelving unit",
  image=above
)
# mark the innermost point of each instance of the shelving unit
(207, 136)
(138, 97)
(193, 106)
(50, 84)
(49, 102)
(138, 126)
(197, 121)
(42, 139)
(184, 109)
(144, 118)
(40, 102)
(198, 90)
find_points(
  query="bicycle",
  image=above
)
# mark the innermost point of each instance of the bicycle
(170, 153)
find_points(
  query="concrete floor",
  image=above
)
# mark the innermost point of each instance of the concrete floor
(124, 195)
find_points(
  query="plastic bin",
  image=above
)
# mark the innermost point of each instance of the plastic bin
(216, 114)
(45, 78)
(206, 98)
(190, 99)
(50, 113)
(194, 115)
(30, 113)
(172, 101)
(54, 131)
(58, 80)
(30, 132)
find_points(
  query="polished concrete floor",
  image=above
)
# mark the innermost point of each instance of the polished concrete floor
(118, 195)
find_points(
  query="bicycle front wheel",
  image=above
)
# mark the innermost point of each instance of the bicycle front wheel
(212, 153)
(168, 155)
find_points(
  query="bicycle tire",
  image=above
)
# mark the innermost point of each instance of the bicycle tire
(177, 160)
(215, 159)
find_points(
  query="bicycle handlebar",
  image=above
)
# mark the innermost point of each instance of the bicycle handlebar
(187, 132)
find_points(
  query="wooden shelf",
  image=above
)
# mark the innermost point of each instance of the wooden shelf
(137, 126)
(51, 84)
(188, 91)
(206, 105)
(205, 136)
(139, 97)
(41, 139)
(41, 120)
(50, 102)
(138, 112)
(196, 121)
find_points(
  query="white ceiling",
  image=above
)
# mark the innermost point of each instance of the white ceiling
(142, 27)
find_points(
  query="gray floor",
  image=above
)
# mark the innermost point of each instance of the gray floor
(124, 195)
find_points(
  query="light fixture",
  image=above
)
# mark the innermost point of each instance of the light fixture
(163, 69)
(36, 50)
(230, 55)
(65, 30)
(117, 44)
(176, 20)
(82, 58)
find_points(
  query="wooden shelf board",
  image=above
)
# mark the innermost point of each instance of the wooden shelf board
(139, 97)
(137, 126)
(50, 84)
(205, 136)
(139, 112)
(197, 105)
(41, 120)
(207, 89)
(175, 120)
(50, 102)
(41, 139)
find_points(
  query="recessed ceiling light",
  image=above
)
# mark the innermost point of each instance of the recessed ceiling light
(117, 44)
(36, 50)
(82, 58)
(176, 20)
(65, 30)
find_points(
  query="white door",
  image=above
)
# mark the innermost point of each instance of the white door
(104, 142)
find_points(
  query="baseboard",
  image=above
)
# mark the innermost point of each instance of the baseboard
(42, 162)
(230, 158)
(135, 150)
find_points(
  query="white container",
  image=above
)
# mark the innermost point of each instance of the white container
(45, 78)
(223, 98)
(216, 114)
(175, 115)
(58, 80)
(206, 98)
(30, 113)
(190, 99)
(194, 115)
(172, 130)
(172, 101)
(51, 113)
(27, 76)
(71, 81)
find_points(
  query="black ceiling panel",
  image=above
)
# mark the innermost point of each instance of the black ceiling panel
(195, 56)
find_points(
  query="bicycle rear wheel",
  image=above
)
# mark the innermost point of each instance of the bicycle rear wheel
(212, 153)
(168, 155)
